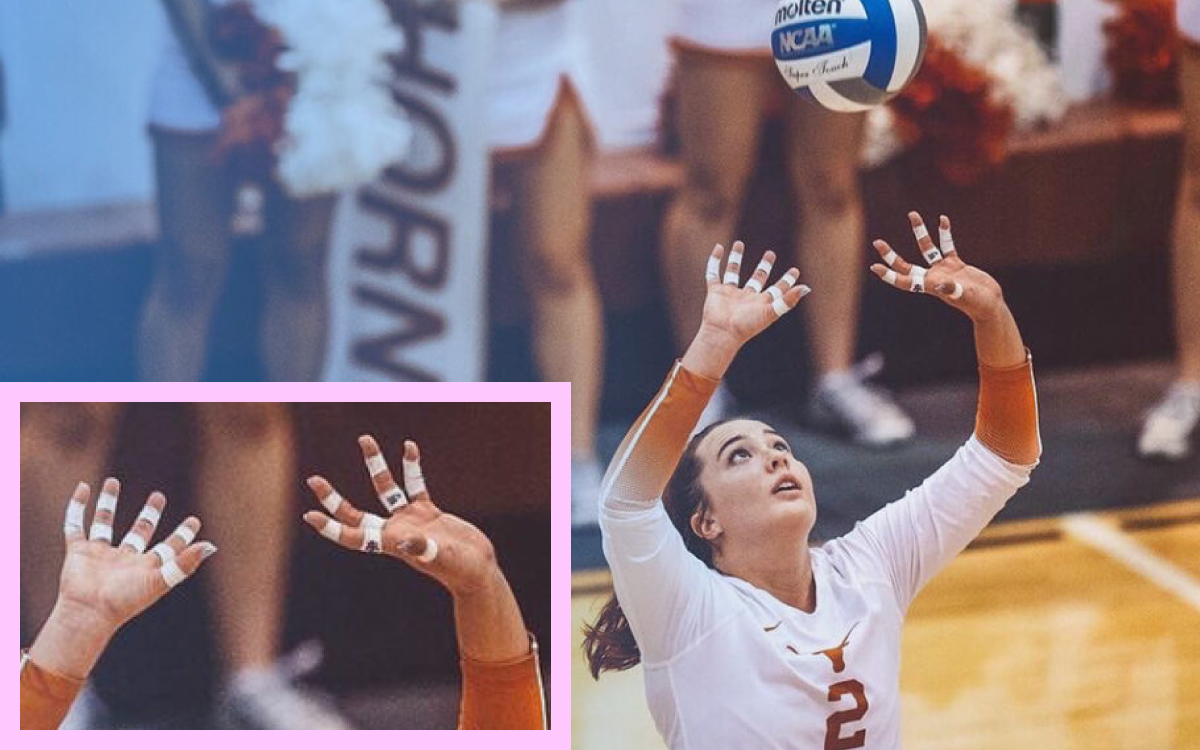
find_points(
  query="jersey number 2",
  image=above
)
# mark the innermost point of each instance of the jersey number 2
(833, 725)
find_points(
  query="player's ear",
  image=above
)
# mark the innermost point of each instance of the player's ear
(705, 526)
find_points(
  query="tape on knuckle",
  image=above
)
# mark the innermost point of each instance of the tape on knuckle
(917, 280)
(172, 574)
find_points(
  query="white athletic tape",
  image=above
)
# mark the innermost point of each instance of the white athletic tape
(890, 277)
(947, 240)
(958, 291)
(754, 285)
(370, 520)
(100, 529)
(332, 502)
(920, 231)
(732, 276)
(106, 501)
(917, 283)
(393, 498)
(172, 574)
(933, 255)
(332, 530)
(372, 539)
(186, 533)
(149, 513)
(777, 304)
(414, 480)
(136, 541)
(431, 550)
(376, 465)
(165, 552)
(890, 258)
(74, 521)
(713, 271)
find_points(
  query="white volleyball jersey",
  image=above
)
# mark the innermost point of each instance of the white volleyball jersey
(1188, 14)
(730, 26)
(728, 665)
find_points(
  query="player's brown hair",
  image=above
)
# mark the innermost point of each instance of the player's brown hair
(609, 643)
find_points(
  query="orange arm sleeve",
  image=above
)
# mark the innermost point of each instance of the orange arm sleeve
(45, 697)
(1007, 419)
(651, 449)
(505, 695)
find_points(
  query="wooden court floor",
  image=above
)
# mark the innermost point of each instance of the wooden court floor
(1074, 632)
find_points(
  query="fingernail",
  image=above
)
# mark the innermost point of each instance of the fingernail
(805, 289)
(405, 547)
(207, 550)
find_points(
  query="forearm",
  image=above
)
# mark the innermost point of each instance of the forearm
(501, 682)
(70, 644)
(61, 658)
(1007, 417)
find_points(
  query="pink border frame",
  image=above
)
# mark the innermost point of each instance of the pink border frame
(557, 394)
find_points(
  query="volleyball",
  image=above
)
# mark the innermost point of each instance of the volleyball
(848, 55)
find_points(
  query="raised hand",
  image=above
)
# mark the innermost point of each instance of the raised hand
(948, 278)
(441, 545)
(743, 312)
(102, 587)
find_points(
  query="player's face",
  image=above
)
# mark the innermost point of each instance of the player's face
(753, 482)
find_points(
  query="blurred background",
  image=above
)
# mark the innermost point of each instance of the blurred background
(283, 595)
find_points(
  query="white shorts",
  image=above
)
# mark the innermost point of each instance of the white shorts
(535, 54)
(1188, 14)
(730, 26)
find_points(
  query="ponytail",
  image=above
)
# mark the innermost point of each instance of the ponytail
(608, 643)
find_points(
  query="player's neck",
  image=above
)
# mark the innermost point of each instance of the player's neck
(784, 572)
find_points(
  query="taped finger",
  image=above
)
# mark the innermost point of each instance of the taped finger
(106, 508)
(733, 269)
(182, 567)
(712, 273)
(414, 480)
(946, 238)
(76, 507)
(928, 250)
(332, 501)
(916, 282)
(886, 274)
(183, 535)
(389, 493)
(139, 535)
(759, 278)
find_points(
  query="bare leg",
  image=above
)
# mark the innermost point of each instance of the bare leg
(720, 103)
(1186, 253)
(61, 445)
(554, 209)
(823, 154)
(195, 202)
(296, 315)
(247, 460)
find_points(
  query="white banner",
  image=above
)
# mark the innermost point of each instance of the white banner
(408, 254)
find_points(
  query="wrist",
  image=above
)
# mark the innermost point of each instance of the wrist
(711, 352)
(71, 641)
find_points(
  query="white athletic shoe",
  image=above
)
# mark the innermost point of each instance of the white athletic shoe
(1168, 425)
(721, 406)
(270, 698)
(845, 404)
(585, 491)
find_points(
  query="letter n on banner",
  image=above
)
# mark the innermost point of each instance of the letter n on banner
(408, 255)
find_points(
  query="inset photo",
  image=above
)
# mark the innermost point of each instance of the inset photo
(285, 565)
